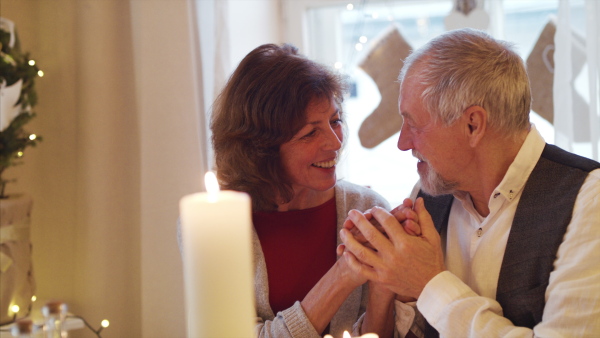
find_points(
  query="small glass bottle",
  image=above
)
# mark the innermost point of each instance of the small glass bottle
(55, 313)
(22, 328)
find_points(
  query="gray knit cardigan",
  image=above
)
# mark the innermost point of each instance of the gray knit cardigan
(293, 322)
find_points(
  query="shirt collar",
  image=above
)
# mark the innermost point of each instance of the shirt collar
(518, 173)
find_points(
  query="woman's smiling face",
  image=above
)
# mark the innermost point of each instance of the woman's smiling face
(309, 158)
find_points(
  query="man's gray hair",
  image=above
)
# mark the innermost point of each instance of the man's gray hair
(467, 67)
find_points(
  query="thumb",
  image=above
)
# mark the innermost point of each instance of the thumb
(428, 229)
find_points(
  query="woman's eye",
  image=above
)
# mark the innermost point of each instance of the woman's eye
(336, 121)
(312, 133)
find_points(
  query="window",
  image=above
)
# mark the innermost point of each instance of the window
(335, 34)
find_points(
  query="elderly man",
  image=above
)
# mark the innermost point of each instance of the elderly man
(509, 241)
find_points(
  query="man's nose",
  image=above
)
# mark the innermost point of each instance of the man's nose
(405, 138)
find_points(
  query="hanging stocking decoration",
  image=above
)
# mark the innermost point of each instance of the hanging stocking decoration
(383, 63)
(466, 14)
(540, 68)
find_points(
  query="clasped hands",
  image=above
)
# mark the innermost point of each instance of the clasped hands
(400, 250)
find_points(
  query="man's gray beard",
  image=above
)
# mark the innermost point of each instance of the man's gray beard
(435, 185)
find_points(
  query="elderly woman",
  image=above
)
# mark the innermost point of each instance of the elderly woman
(277, 134)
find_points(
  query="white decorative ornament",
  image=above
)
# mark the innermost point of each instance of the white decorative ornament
(9, 26)
(9, 95)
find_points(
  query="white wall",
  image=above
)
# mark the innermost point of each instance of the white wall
(253, 23)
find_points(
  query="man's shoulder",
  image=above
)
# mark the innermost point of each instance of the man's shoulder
(562, 157)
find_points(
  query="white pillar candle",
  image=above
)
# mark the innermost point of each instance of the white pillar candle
(217, 258)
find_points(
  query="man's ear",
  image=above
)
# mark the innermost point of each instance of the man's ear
(476, 124)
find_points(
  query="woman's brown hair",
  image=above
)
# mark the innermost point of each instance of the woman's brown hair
(262, 106)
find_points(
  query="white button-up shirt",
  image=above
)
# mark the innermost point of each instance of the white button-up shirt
(460, 302)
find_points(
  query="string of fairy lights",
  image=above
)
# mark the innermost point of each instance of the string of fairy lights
(31, 137)
(358, 27)
(26, 325)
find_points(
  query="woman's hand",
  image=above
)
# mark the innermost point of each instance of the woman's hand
(345, 273)
(405, 215)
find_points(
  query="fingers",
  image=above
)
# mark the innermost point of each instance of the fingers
(426, 223)
(407, 203)
(360, 252)
(389, 223)
(412, 228)
(405, 211)
(370, 232)
(409, 219)
(358, 267)
(348, 224)
(340, 249)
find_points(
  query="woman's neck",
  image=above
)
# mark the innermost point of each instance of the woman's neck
(307, 198)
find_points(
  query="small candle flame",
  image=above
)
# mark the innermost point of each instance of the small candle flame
(212, 186)
(346, 335)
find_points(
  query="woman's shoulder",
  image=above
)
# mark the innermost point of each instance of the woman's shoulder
(358, 196)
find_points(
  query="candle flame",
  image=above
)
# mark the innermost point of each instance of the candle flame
(212, 186)
(346, 335)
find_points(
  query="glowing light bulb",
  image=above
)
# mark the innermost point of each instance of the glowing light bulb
(32, 137)
(19, 154)
(33, 298)
(15, 308)
(40, 73)
(338, 65)
(31, 62)
(363, 39)
(358, 46)
(105, 323)
(349, 7)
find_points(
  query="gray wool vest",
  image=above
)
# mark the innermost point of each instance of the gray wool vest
(538, 228)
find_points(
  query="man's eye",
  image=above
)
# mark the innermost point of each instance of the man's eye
(336, 121)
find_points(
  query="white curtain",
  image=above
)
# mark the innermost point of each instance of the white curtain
(213, 19)
(566, 114)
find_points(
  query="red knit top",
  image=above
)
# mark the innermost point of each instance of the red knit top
(299, 248)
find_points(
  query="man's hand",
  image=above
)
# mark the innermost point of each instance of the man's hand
(406, 216)
(404, 213)
(402, 262)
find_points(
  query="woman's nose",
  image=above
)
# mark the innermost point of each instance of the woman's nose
(334, 141)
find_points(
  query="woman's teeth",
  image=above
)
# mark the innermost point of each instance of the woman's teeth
(326, 164)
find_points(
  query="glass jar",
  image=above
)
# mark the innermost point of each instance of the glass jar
(55, 313)
(22, 328)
